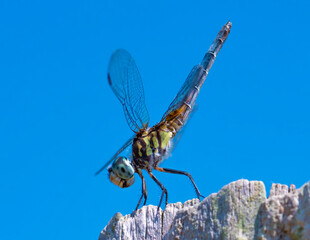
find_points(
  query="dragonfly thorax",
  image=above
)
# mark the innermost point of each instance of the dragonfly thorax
(150, 146)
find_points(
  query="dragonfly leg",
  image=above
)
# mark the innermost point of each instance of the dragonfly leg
(167, 170)
(144, 190)
(164, 190)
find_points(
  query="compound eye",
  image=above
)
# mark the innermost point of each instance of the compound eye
(123, 168)
(122, 172)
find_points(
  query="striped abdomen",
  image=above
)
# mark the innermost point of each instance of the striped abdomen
(180, 108)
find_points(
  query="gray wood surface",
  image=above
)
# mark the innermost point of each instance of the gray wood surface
(239, 210)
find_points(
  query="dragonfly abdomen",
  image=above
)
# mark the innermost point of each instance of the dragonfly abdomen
(176, 119)
(180, 108)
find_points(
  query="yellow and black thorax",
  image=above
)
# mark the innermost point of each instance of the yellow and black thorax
(150, 146)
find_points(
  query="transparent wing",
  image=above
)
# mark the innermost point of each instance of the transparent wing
(188, 93)
(126, 83)
(129, 142)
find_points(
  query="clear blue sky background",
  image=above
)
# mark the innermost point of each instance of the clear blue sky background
(59, 120)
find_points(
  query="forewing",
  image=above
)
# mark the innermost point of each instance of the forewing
(126, 83)
(129, 142)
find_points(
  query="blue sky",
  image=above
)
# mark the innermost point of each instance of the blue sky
(59, 121)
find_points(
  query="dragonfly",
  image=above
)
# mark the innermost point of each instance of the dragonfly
(151, 145)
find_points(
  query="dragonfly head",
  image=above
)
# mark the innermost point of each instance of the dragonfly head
(122, 172)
